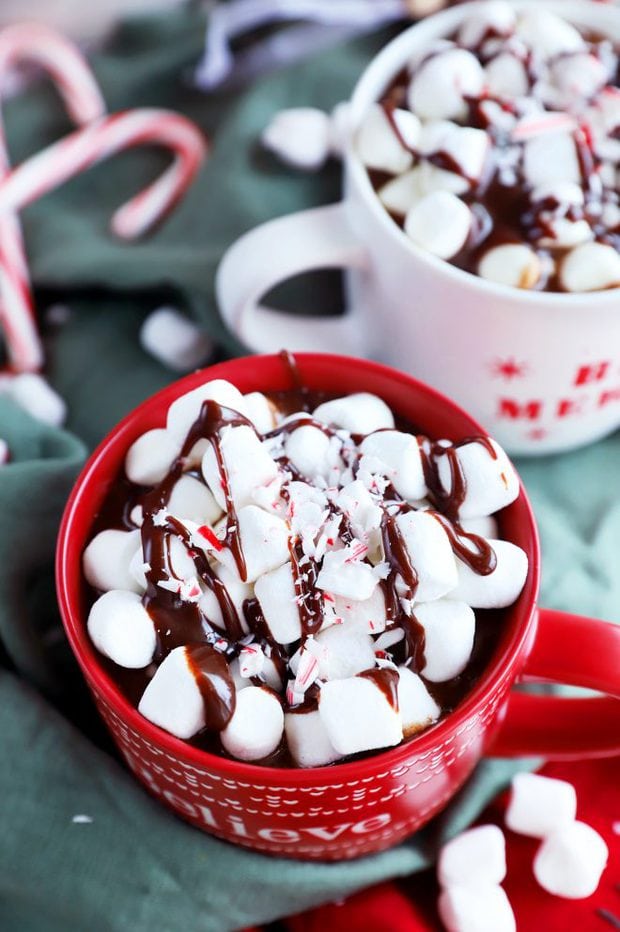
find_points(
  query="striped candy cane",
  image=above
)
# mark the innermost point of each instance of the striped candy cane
(102, 138)
(69, 71)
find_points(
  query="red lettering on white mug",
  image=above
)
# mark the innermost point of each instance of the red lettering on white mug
(611, 395)
(594, 372)
(519, 410)
(566, 407)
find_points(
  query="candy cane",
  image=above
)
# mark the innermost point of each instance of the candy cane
(105, 137)
(69, 71)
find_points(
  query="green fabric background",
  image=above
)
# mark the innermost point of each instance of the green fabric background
(135, 867)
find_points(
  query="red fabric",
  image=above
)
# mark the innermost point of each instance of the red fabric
(410, 906)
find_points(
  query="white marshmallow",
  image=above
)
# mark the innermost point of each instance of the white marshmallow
(506, 76)
(191, 499)
(570, 862)
(150, 457)
(107, 557)
(500, 588)
(480, 908)
(307, 739)
(256, 727)
(477, 856)
(540, 805)
(360, 413)
(175, 340)
(491, 482)
(431, 178)
(417, 707)
(449, 628)
(137, 568)
(264, 541)
(341, 574)
(379, 147)
(403, 191)
(361, 510)
(308, 449)
(439, 223)
(358, 716)
(136, 515)
(497, 19)
(573, 77)
(261, 411)
(237, 590)
(441, 83)
(276, 593)
(32, 393)
(183, 412)
(547, 34)
(485, 526)
(565, 193)
(368, 615)
(551, 157)
(247, 463)
(469, 148)
(400, 453)
(431, 554)
(344, 651)
(172, 699)
(121, 628)
(299, 136)
(566, 233)
(513, 264)
(590, 267)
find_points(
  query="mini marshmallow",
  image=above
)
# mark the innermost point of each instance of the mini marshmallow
(441, 83)
(439, 223)
(360, 509)
(275, 592)
(181, 564)
(431, 554)
(475, 857)
(191, 499)
(403, 191)
(469, 148)
(172, 699)
(551, 157)
(540, 805)
(506, 76)
(361, 413)
(183, 412)
(174, 340)
(491, 481)
(122, 629)
(247, 463)
(566, 233)
(449, 628)
(485, 526)
(579, 75)
(500, 588)
(342, 574)
(299, 136)
(417, 707)
(307, 739)
(308, 449)
(368, 615)
(345, 650)
(237, 590)
(496, 19)
(261, 411)
(432, 178)
(256, 727)
(570, 861)
(547, 34)
(476, 908)
(379, 147)
(33, 394)
(150, 457)
(513, 264)
(107, 559)
(400, 453)
(136, 515)
(264, 541)
(590, 267)
(358, 716)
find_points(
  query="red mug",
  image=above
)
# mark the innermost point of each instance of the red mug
(352, 809)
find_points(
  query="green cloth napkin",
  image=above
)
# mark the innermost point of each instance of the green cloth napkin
(134, 865)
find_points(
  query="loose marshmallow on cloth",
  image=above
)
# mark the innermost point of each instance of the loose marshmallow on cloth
(150, 456)
(417, 707)
(476, 908)
(570, 861)
(449, 628)
(491, 482)
(540, 805)
(32, 393)
(122, 629)
(440, 85)
(475, 857)
(106, 560)
(183, 412)
(500, 588)
(299, 136)
(360, 413)
(400, 453)
(172, 699)
(430, 553)
(246, 461)
(439, 223)
(379, 146)
(343, 651)
(175, 340)
(358, 716)
(307, 739)
(256, 727)
(275, 592)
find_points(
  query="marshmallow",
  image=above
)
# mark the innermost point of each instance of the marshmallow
(430, 553)
(150, 457)
(579, 75)
(449, 628)
(379, 147)
(360, 509)
(358, 716)
(469, 148)
(361, 413)
(191, 499)
(513, 264)
(431, 178)
(343, 574)
(264, 542)
(107, 558)
(34, 395)
(402, 192)
(477, 856)
(506, 76)
(307, 739)
(308, 449)
(417, 707)
(256, 727)
(180, 563)
(261, 411)
(496, 19)
(476, 908)
(344, 651)
(566, 233)
(491, 482)
(275, 592)
(400, 453)
(551, 157)
(540, 805)
(500, 588)
(439, 223)
(547, 34)
(5, 453)
(570, 861)
(136, 515)
(174, 340)
(183, 412)
(247, 463)
(485, 526)
(121, 628)
(440, 85)
(172, 699)
(590, 267)
(564, 193)
(299, 136)
(368, 615)
(238, 592)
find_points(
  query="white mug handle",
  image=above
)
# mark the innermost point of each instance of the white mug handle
(319, 238)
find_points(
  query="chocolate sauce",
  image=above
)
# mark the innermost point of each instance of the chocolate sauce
(212, 675)
(386, 680)
(309, 598)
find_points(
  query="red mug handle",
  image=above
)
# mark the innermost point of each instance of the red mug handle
(575, 651)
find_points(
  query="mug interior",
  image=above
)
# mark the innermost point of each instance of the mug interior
(425, 409)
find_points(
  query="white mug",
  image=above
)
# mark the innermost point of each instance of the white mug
(540, 370)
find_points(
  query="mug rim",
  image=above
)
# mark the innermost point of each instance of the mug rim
(103, 686)
(439, 25)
